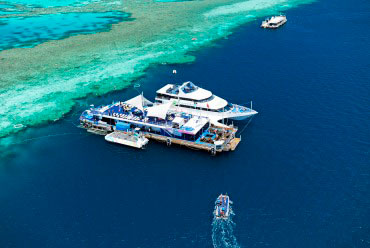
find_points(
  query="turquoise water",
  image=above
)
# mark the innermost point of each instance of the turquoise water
(300, 177)
(30, 31)
(48, 97)
(51, 3)
(168, 1)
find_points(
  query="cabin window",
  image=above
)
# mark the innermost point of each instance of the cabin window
(226, 108)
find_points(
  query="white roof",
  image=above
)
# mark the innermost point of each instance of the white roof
(159, 110)
(138, 102)
(277, 19)
(195, 124)
(198, 94)
(164, 89)
(215, 103)
(178, 120)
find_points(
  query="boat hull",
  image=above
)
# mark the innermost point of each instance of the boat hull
(140, 143)
(222, 208)
(267, 26)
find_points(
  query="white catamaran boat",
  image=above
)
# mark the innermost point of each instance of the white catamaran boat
(184, 115)
(191, 99)
(274, 22)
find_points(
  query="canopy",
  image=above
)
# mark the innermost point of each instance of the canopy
(159, 110)
(139, 102)
(122, 126)
(194, 124)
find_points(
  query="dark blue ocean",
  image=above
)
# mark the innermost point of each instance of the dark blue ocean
(299, 178)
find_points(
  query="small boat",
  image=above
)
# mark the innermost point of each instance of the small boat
(222, 208)
(274, 22)
(18, 126)
(130, 138)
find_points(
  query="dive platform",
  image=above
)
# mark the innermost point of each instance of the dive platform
(129, 122)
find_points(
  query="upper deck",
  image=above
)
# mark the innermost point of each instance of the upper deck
(171, 121)
(190, 95)
(186, 91)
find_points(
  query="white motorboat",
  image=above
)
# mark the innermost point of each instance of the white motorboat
(130, 138)
(274, 22)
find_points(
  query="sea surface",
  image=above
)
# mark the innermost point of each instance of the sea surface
(40, 88)
(299, 178)
(51, 3)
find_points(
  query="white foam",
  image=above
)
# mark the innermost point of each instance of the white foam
(246, 6)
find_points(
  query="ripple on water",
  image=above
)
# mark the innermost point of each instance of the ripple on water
(30, 31)
(168, 1)
(51, 3)
(6, 9)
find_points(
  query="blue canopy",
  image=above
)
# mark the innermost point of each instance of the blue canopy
(122, 126)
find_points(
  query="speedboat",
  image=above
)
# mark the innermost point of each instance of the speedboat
(191, 99)
(222, 208)
(274, 22)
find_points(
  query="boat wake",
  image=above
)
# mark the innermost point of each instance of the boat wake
(223, 233)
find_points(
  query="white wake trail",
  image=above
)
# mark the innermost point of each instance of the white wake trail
(223, 233)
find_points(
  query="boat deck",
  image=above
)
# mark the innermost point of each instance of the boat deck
(190, 144)
(234, 143)
(123, 136)
(194, 145)
(177, 127)
(222, 207)
(97, 131)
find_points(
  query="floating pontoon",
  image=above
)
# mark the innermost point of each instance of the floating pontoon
(162, 122)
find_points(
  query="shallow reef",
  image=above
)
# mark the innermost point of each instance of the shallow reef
(41, 83)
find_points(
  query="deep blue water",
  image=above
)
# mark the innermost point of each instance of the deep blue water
(299, 178)
(30, 31)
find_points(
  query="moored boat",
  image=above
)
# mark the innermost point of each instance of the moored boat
(164, 122)
(128, 138)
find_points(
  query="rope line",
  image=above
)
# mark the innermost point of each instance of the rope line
(246, 125)
(48, 136)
